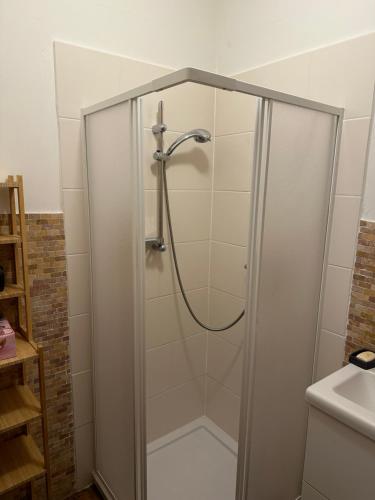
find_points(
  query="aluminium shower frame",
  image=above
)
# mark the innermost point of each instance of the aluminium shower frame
(260, 163)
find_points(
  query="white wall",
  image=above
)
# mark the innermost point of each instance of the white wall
(256, 32)
(174, 33)
(368, 204)
(251, 34)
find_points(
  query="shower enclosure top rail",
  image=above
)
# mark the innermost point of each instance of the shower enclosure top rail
(212, 80)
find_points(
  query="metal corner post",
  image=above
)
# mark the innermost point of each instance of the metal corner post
(259, 181)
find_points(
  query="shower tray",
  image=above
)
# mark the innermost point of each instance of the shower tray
(198, 461)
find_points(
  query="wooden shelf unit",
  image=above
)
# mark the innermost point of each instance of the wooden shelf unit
(6, 239)
(11, 291)
(21, 461)
(25, 351)
(18, 406)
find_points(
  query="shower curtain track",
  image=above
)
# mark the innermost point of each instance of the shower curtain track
(201, 77)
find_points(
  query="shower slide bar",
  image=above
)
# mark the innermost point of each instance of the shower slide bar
(157, 243)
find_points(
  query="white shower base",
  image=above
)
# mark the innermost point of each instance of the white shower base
(196, 462)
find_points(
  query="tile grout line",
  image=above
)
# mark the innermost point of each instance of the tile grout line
(224, 386)
(176, 387)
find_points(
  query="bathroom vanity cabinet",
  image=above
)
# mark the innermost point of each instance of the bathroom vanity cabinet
(340, 450)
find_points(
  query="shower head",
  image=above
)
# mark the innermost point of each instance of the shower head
(198, 134)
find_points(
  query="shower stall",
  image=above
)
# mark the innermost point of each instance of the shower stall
(209, 203)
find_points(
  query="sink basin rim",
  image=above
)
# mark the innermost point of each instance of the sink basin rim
(324, 396)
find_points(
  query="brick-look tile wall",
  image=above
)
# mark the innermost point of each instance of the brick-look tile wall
(48, 288)
(361, 323)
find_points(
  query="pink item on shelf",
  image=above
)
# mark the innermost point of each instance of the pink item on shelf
(7, 340)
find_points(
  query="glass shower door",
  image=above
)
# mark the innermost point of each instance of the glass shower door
(296, 174)
(193, 376)
(116, 244)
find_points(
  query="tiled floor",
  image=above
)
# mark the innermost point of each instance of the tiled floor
(198, 462)
(90, 494)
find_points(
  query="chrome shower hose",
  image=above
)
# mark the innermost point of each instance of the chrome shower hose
(179, 279)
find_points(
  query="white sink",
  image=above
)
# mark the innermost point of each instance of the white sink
(349, 396)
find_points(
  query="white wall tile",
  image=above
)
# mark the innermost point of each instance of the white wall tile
(223, 407)
(310, 493)
(233, 162)
(150, 166)
(344, 231)
(151, 213)
(231, 217)
(138, 73)
(227, 268)
(174, 408)
(336, 299)
(167, 318)
(70, 153)
(193, 263)
(186, 107)
(290, 75)
(80, 343)
(330, 355)
(224, 363)
(175, 364)
(78, 284)
(191, 215)
(84, 452)
(85, 76)
(223, 309)
(82, 398)
(75, 220)
(352, 161)
(344, 75)
(235, 112)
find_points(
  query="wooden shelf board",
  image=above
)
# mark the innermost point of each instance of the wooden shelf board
(5, 239)
(6, 185)
(11, 291)
(21, 463)
(25, 351)
(18, 406)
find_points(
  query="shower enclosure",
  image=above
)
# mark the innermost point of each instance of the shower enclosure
(214, 195)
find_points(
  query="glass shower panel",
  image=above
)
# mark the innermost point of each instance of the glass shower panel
(115, 298)
(193, 376)
(291, 265)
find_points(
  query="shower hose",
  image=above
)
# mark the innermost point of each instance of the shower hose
(179, 279)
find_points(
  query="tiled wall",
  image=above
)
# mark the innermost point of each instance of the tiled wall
(361, 325)
(233, 153)
(341, 75)
(191, 372)
(48, 290)
(176, 345)
(84, 77)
